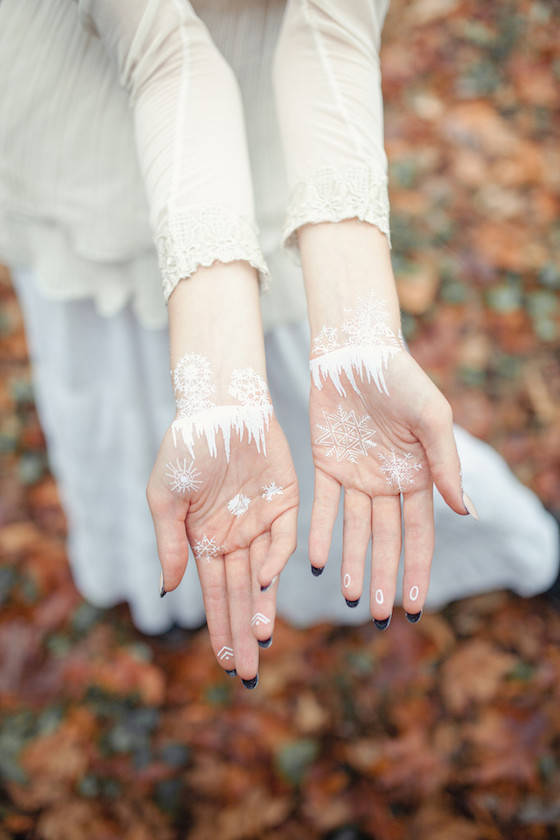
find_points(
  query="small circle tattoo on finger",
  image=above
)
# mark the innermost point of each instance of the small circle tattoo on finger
(379, 596)
(414, 592)
(347, 581)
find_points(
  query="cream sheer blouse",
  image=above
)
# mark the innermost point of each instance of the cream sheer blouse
(140, 139)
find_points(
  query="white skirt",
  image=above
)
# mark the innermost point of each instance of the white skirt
(104, 399)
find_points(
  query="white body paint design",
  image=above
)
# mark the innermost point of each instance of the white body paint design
(239, 504)
(399, 470)
(270, 490)
(379, 596)
(413, 594)
(369, 363)
(347, 581)
(192, 378)
(259, 618)
(207, 548)
(367, 348)
(344, 435)
(249, 388)
(183, 478)
(225, 653)
(224, 418)
(326, 340)
(199, 415)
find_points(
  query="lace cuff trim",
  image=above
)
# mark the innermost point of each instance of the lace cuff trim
(201, 236)
(331, 195)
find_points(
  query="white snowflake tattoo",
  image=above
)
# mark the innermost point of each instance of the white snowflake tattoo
(182, 478)
(207, 548)
(399, 471)
(368, 345)
(326, 340)
(270, 490)
(198, 415)
(368, 322)
(249, 388)
(239, 504)
(344, 435)
(192, 378)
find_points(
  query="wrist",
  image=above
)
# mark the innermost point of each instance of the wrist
(343, 263)
(215, 315)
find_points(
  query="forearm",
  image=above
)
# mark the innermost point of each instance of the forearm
(342, 263)
(190, 133)
(328, 97)
(216, 314)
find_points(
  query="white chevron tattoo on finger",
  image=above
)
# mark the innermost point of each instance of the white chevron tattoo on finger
(259, 618)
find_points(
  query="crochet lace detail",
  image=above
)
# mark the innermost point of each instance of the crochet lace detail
(203, 235)
(331, 195)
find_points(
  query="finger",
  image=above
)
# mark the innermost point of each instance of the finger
(418, 510)
(356, 534)
(172, 543)
(436, 435)
(238, 580)
(386, 551)
(283, 542)
(212, 576)
(326, 497)
(264, 602)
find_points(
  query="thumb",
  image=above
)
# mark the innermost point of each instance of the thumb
(435, 432)
(172, 545)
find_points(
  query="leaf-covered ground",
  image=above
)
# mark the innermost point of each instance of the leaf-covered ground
(447, 730)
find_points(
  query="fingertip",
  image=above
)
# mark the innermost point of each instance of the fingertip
(469, 506)
(267, 586)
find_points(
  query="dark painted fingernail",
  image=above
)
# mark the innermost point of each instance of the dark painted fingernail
(266, 643)
(251, 683)
(352, 603)
(383, 623)
(414, 617)
(162, 591)
(316, 571)
(232, 673)
(268, 585)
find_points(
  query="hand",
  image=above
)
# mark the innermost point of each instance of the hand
(237, 505)
(223, 478)
(394, 438)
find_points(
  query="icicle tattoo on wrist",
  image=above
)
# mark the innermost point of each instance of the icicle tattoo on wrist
(199, 415)
(364, 344)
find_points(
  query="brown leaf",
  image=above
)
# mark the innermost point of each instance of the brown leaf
(473, 674)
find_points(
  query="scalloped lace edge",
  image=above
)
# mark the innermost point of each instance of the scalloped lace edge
(331, 195)
(202, 236)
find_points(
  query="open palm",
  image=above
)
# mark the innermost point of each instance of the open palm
(382, 444)
(239, 515)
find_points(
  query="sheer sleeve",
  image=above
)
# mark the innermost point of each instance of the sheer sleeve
(327, 84)
(190, 133)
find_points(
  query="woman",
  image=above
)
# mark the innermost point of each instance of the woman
(125, 150)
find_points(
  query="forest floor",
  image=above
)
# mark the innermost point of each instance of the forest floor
(447, 730)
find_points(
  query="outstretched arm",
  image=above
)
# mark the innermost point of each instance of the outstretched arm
(380, 428)
(224, 447)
